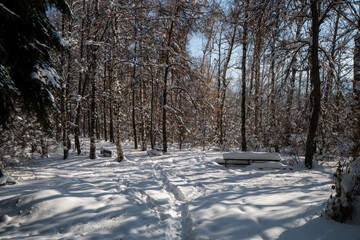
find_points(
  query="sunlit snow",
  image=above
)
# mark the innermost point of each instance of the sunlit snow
(181, 195)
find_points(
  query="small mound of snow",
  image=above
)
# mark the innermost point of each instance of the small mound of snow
(50, 203)
(41, 195)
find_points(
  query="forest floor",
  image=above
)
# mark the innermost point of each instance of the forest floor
(181, 195)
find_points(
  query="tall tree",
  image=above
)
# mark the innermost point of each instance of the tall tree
(243, 78)
(356, 81)
(316, 20)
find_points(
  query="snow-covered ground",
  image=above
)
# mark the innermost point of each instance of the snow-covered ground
(182, 195)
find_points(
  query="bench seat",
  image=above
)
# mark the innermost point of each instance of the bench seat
(246, 158)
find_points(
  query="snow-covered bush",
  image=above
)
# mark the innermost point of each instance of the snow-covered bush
(23, 141)
(342, 206)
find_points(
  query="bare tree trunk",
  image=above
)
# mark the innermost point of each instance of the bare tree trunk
(166, 73)
(117, 130)
(218, 95)
(299, 93)
(119, 151)
(92, 120)
(111, 102)
(143, 119)
(63, 101)
(315, 82)
(64, 122)
(257, 59)
(289, 104)
(164, 134)
(111, 130)
(273, 125)
(152, 138)
(331, 71)
(243, 82)
(104, 106)
(307, 83)
(133, 114)
(81, 90)
(44, 148)
(97, 127)
(134, 82)
(92, 72)
(92, 113)
(356, 93)
(77, 130)
(272, 120)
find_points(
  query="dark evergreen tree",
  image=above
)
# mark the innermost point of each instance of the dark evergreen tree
(26, 75)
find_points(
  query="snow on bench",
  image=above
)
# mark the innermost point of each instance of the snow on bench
(246, 158)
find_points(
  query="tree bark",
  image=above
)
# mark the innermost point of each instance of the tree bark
(164, 95)
(63, 101)
(133, 114)
(289, 104)
(111, 102)
(257, 59)
(118, 140)
(273, 125)
(80, 90)
(92, 116)
(243, 82)
(143, 122)
(356, 94)
(134, 81)
(152, 138)
(218, 94)
(104, 106)
(315, 82)
(111, 129)
(64, 122)
(119, 151)
(299, 91)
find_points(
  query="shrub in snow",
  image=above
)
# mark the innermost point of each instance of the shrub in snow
(23, 142)
(342, 206)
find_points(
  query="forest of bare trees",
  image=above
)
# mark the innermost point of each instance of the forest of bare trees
(270, 76)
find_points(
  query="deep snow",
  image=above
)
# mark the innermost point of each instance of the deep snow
(181, 195)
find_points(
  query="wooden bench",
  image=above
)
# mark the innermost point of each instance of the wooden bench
(246, 158)
(106, 152)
